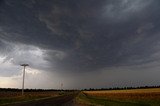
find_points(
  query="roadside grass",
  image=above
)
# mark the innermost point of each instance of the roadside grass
(4, 101)
(17, 99)
(120, 98)
(30, 96)
(95, 101)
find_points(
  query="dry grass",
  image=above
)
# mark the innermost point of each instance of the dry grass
(11, 94)
(135, 94)
(11, 97)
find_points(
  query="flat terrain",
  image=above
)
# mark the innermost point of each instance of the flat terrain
(45, 98)
(135, 97)
(64, 100)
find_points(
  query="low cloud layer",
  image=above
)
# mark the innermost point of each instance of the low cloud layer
(79, 37)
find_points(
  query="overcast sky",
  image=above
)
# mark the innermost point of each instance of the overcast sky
(80, 43)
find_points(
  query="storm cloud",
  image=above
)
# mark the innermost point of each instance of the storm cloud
(81, 36)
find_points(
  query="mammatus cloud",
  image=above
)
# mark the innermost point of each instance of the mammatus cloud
(76, 38)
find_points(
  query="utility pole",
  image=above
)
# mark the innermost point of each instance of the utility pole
(61, 86)
(24, 65)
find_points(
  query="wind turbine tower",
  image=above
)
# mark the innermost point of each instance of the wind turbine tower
(24, 65)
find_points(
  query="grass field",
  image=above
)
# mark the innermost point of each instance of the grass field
(8, 97)
(135, 97)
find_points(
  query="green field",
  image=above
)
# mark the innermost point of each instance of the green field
(135, 97)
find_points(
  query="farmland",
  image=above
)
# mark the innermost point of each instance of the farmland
(135, 97)
(11, 97)
(132, 97)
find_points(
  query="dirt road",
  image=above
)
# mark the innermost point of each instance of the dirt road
(66, 100)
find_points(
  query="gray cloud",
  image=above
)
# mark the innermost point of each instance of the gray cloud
(122, 10)
(81, 36)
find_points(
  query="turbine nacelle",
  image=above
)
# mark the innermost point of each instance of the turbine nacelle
(24, 65)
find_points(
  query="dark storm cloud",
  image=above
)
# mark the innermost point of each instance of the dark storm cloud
(85, 35)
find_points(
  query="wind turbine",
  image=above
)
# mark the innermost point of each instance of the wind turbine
(24, 65)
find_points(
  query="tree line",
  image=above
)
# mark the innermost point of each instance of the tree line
(89, 89)
(121, 88)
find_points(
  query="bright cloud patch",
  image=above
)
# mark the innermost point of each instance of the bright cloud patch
(11, 71)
